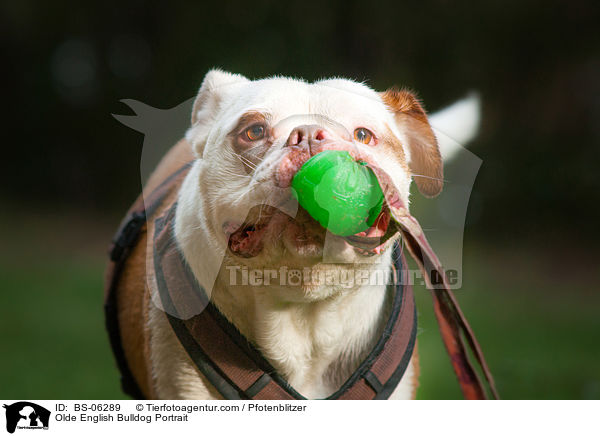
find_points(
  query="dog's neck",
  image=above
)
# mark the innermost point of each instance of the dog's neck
(315, 342)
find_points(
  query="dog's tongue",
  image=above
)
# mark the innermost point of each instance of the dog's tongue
(246, 241)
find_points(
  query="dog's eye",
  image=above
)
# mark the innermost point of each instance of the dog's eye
(254, 132)
(363, 135)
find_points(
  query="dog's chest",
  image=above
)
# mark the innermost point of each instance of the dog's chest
(317, 346)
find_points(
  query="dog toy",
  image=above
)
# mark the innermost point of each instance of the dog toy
(343, 195)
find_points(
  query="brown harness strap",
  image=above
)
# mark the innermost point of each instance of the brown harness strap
(124, 240)
(235, 367)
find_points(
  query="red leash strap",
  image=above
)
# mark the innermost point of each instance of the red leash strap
(454, 327)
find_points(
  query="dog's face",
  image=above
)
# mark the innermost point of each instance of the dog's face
(251, 137)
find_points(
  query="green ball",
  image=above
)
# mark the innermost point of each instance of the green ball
(343, 195)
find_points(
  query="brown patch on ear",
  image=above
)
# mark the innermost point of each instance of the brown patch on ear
(425, 159)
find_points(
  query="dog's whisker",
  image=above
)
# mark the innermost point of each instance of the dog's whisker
(264, 204)
(242, 158)
(429, 177)
(245, 160)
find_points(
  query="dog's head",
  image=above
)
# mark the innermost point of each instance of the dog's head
(251, 137)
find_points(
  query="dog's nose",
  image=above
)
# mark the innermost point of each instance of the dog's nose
(308, 135)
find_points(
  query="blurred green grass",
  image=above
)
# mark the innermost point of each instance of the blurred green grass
(540, 336)
(539, 332)
(51, 316)
(53, 341)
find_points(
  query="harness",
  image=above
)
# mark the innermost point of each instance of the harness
(233, 365)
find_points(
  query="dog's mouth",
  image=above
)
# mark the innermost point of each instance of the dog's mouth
(266, 224)
(303, 234)
(248, 239)
(372, 240)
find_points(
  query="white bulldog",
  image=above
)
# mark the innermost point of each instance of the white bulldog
(235, 212)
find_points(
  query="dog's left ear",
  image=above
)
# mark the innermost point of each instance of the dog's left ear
(425, 159)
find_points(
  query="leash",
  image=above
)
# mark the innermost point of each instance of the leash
(453, 325)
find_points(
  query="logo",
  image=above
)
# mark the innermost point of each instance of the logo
(26, 415)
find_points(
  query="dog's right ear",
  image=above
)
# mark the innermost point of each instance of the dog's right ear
(214, 88)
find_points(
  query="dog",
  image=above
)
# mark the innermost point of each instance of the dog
(234, 212)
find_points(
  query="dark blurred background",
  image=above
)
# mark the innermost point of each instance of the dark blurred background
(69, 170)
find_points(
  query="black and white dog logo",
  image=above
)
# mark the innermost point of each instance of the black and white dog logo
(26, 415)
